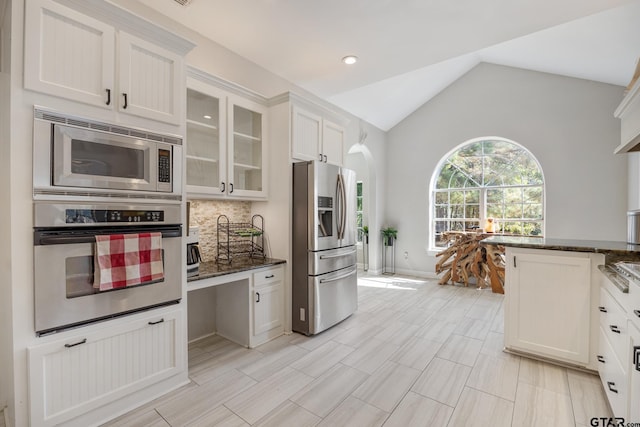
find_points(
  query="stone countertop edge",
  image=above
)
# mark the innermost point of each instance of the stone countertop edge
(210, 269)
(597, 246)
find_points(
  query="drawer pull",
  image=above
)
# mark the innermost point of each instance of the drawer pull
(258, 296)
(601, 359)
(602, 309)
(612, 386)
(270, 276)
(636, 312)
(636, 357)
(614, 329)
(156, 322)
(76, 343)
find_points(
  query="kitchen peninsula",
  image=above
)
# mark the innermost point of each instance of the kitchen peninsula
(553, 287)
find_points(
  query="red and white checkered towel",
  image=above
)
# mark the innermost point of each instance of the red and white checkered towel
(127, 260)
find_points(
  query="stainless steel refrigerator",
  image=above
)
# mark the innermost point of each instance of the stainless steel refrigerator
(325, 286)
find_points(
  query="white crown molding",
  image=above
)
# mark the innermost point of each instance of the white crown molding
(226, 85)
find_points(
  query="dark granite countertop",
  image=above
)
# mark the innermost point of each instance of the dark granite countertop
(597, 246)
(211, 269)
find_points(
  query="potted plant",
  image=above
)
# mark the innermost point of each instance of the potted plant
(388, 235)
(365, 233)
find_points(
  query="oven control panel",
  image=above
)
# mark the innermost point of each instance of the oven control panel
(97, 216)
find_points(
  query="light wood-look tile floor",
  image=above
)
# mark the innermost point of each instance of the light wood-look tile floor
(414, 354)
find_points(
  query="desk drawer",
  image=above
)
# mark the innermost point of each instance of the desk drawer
(613, 321)
(270, 275)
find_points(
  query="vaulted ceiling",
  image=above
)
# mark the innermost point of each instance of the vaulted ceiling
(409, 50)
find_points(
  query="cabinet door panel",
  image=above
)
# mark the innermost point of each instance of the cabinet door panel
(333, 142)
(206, 143)
(68, 54)
(306, 134)
(150, 80)
(548, 305)
(267, 308)
(247, 148)
(634, 372)
(73, 376)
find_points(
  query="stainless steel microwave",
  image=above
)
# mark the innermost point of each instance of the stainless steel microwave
(78, 156)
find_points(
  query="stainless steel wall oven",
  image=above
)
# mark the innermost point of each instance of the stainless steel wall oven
(64, 249)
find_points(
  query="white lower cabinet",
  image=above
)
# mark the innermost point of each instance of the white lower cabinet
(99, 364)
(548, 304)
(268, 298)
(613, 376)
(248, 307)
(634, 373)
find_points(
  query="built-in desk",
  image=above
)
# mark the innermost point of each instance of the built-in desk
(245, 300)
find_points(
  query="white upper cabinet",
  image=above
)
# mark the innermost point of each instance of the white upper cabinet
(316, 138)
(206, 151)
(246, 176)
(332, 143)
(306, 135)
(150, 80)
(68, 54)
(226, 143)
(629, 114)
(79, 57)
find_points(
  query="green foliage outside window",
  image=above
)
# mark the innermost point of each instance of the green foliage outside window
(489, 179)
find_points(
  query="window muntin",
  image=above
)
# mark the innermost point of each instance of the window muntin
(488, 178)
(359, 212)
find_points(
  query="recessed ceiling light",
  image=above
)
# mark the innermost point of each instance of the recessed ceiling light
(207, 117)
(350, 59)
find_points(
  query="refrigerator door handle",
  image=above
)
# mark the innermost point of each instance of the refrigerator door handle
(338, 206)
(341, 206)
(338, 255)
(335, 279)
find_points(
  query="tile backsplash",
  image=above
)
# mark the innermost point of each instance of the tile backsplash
(204, 214)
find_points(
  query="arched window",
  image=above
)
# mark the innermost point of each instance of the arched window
(487, 178)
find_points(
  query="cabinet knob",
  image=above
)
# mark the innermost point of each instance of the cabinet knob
(320, 156)
(601, 359)
(612, 386)
(325, 158)
(614, 328)
(602, 309)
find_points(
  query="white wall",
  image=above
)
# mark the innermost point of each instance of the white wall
(366, 157)
(6, 359)
(566, 123)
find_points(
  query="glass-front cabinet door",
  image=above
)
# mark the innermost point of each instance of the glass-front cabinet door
(247, 154)
(206, 147)
(226, 145)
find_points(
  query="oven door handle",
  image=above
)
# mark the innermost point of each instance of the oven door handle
(49, 237)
